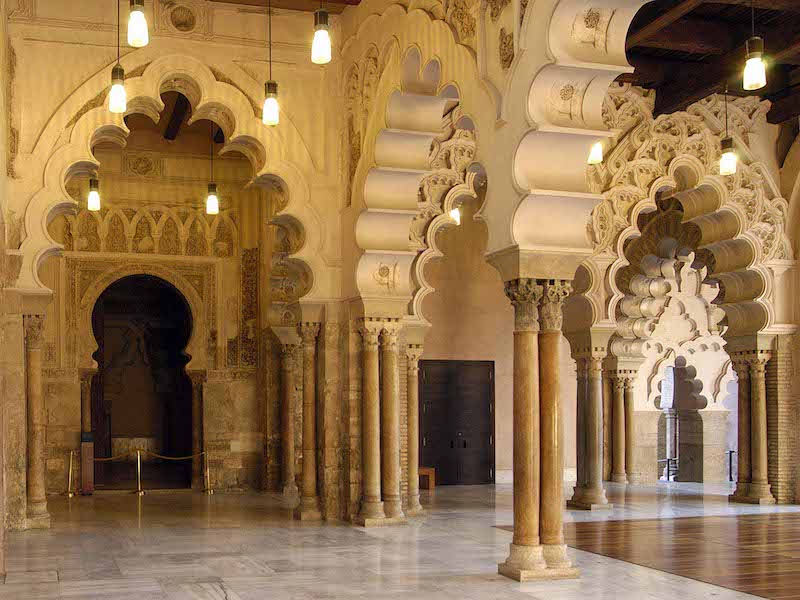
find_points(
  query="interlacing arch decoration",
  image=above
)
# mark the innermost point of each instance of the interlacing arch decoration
(65, 146)
(661, 179)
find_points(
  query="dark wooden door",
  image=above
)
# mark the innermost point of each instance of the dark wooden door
(457, 420)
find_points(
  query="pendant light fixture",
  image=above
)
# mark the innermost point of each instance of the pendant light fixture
(138, 36)
(755, 72)
(212, 202)
(728, 161)
(93, 199)
(321, 46)
(596, 154)
(117, 98)
(271, 113)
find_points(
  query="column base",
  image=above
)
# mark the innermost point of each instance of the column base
(38, 522)
(589, 499)
(619, 478)
(557, 559)
(393, 508)
(754, 493)
(370, 514)
(527, 563)
(379, 521)
(308, 510)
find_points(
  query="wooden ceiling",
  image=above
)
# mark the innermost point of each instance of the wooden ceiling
(334, 7)
(689, 49)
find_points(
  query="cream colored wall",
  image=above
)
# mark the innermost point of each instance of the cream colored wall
(473, 320)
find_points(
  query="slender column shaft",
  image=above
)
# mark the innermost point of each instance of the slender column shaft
(742, 368)
(288, 352)
(759, 484)
(390, 422)
(607, 399)
(630, 446)
(551, 527)
(671, 427)
(618, 473)
(36, 493)
(371, 503)
(87, 435)
(197, 430)
(525, 555)
(594, 429)
(413, 354)
(580, 421)
(309, 501)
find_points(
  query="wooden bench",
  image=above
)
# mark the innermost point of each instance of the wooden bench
(427, 478)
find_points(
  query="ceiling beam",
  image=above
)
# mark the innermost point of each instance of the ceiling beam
(785, 108)
(177, 117)
(661, 22)
(696, 36)
(782, 5)
(333, 6)
(695, 82)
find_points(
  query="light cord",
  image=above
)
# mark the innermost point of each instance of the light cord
(269, 27)
(118, 32)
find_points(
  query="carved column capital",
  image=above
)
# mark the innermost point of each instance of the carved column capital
(623, 378)
(413, 354)
(34, 331)
(370, 330)
(741, 366)
(758, 364)
(308, 332)
(390, 335)
(594, 365)
(555, 291)
(524, 295)
(197, 377)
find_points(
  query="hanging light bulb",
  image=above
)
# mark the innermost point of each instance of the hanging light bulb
(138, 36)
(272, 113)
(455, 214)
(212, 202)
(93, 200)
(596, 154)
(117, 98)
(728, 160)
(755, 72)
(321, 46)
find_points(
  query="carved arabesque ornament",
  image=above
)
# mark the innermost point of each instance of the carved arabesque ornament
(525, 295)
(506, 48)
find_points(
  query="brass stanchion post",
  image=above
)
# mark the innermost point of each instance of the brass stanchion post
(208, 491)
(139, 491)
(69, 493)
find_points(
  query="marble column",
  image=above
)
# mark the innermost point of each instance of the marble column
(198, 462)
(742, 368)
(551, 525)
(371, 511)
(630, 432)
(390, 421)
(759, 492)
(37, 515)
(413, 354)
(525, 560)
(590, 494)
(288, 353)
(618, 473)
(309, 500)
(671, 433)
(87, 434)
(607, 426)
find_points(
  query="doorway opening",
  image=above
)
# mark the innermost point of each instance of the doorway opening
(141, 394)
(457, 420)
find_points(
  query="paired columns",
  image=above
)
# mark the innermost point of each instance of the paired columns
(413, 354)
(752, 484)
(288, 353)
(537, 550)
(622, 426)
(589, 494)
(380, 424)
(37, 515)
(309, 509)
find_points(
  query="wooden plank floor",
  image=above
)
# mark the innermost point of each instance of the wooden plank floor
(757, 554)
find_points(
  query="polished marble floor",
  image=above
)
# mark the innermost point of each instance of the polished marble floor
(244, 547)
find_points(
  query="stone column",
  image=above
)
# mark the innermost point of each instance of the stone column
(607, 425)
(87, 434)
(525, 560)
(630, 446)
(371, 512)
(551, 526)
(760, 492)
(288, 353)
(590, 494)
(198, 462)
(618, 473)
(413, 354)
(742, 368)
(671, 431)
(309, 500)
(390, 421)
(37, 515)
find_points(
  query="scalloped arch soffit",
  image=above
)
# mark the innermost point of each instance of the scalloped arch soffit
(83, 127)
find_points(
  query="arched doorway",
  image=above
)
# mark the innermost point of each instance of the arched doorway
(141, 395)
